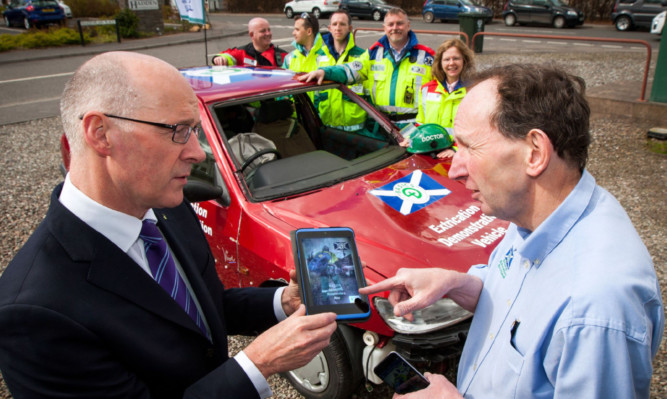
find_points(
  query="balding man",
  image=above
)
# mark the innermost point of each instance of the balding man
(259, 52)
(115, 295)
(569, 304)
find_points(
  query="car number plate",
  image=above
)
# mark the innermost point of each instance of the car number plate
(48, 10)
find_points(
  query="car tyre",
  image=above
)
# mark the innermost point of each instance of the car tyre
(510, 19)
(428, 17)
(26, 23)
(623, 23)
(317, 13)
(377, 15)
(289, 13)
(559, 22)
(329, 375)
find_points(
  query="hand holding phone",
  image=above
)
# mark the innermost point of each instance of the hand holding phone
(400, 374)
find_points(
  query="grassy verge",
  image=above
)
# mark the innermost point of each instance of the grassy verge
(41, 38)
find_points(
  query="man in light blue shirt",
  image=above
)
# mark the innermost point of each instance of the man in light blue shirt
(569, 304)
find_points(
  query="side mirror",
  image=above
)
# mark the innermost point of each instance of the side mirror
(197, 191)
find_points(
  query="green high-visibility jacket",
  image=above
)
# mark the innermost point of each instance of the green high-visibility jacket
(335, 108)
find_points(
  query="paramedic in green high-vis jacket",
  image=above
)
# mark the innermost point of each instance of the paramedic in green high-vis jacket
(307, 41)
(335, 108)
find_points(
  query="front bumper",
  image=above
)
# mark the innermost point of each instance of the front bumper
(433, 347)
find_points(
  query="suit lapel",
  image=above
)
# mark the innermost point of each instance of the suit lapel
(114, 271)
(110, 268)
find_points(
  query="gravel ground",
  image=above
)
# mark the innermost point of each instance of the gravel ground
(619, 160)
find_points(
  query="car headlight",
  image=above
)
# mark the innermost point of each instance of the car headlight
(572, 13)
(441, 314)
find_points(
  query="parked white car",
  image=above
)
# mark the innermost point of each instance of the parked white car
(658, 23)
(65, 7)
(318, 8)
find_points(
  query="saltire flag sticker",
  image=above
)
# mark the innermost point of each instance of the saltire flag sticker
(411, 193)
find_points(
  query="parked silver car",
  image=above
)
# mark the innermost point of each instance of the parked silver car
(318, 8)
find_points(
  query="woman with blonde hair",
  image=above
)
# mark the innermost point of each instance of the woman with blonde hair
(453, 65)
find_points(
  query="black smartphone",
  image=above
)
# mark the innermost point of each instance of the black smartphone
(329, 272)
(400, 374)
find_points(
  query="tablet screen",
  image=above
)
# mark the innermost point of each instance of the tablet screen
(330, 271)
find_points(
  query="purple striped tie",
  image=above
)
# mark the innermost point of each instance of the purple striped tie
(164, 271)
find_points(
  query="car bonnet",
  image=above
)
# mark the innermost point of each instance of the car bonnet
(407, 215)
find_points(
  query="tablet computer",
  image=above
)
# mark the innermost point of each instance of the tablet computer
(329, 272)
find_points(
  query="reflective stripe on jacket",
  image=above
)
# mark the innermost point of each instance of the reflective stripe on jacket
(438, 106)
(248, 56)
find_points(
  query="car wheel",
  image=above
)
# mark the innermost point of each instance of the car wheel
(377, 15)
(428, 17)
(289, 13)
(329, 375)
(317, 13)
(510, 19)
(623, 23)
(559, 22)
(26, 23)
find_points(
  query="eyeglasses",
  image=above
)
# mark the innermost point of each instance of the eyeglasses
(306, 16)
(180, 132)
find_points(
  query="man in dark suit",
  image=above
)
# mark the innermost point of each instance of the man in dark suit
(81, 313)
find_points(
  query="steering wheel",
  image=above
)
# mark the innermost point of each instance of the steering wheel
(258, 154)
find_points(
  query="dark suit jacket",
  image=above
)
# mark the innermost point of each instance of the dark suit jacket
(79, 318)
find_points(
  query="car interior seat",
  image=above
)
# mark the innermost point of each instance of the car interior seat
(235, 119)
(275, 121)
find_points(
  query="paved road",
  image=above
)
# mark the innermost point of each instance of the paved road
(31, 87)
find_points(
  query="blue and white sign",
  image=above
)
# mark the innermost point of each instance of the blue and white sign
(191, 10)
(411, 193)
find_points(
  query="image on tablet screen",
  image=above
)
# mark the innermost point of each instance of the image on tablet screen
(331, 270)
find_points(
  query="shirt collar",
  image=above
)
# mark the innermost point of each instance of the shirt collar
(120, 228)
(384, 42)
(538, 244)
(317, 43)
(328, 41)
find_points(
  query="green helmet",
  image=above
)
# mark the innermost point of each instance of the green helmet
(429, 137)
